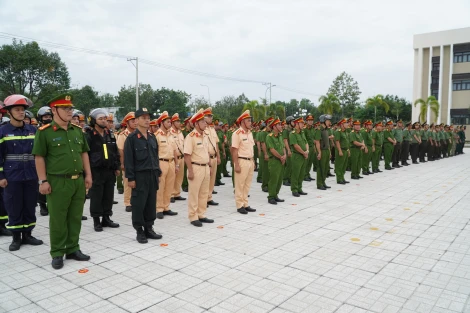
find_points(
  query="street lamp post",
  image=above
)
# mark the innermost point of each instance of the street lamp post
(208, 93)
(136, 65)
(270, 87)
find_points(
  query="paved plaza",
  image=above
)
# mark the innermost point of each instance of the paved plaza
(398, 241)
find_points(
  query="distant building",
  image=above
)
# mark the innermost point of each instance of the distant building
(442, 69)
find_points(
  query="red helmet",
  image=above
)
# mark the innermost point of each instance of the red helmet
(15, 100)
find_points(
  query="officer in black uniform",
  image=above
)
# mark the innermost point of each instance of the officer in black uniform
(142, 172)
(105, 165)
(44, 116)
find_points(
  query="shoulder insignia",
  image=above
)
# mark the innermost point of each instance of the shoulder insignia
(76, 125)
(238, 131)
(44, 126)
(270, 134)
(192, 134)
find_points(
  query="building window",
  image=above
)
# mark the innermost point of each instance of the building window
(460, 119)
(435, 66)
(460, 57)
(461, 85)
(435, 80)
(435, 93)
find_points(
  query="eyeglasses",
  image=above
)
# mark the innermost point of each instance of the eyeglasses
(68, 109)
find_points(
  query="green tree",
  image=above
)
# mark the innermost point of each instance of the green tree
(346, 89)
(276, 110)
(172, 101)
(377, 101)
(229, 108)
(329, 104)
(125, 99)
(257, 111)
(107, 100)
(31, 71)
(430, 103)
(85, 99)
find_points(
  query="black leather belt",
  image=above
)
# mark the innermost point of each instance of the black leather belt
(198, 164)
(244, 158)
(75, 176)
(180, 157)
(166, 160)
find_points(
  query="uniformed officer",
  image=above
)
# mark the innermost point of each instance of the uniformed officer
(264, 152)
(322, 144)
(110, 122)
(45, 117)
(285, 137)
(105, 166)
(367, 153)
(377, 143)
(300, 149)
(129, 121)
(227, 152)
(214, 156)
(398, 135)
(261, 125)
(167, 154)
(277, 159)
(142, 173)
(357, 145)
(415, 142)
(17, 172)
(221, 146)
(197, 160)
(244, 166)
(310, 134)
(187, 128)
(389, 143)
(178, 138)
(406, 144)
(423, 147)
(342, 151)
(28, 116)
(63, 169)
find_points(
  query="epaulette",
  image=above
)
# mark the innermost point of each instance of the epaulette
(76, 125)
(270, 134)
(293, 131)
(238, 131)
(44, 126)
(192, 134)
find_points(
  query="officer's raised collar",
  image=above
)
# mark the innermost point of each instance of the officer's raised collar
(56, 126)
(139, 134)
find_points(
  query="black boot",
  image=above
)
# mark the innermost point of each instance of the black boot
(141, 235)
(97, 224)
(107, 222)
(150, 233)
(43, 210)
(16, 243)
(28, 239)
(4, 231)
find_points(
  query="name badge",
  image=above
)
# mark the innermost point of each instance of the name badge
(244, 139)
(163, 141)
(199, 143)
(56, 139)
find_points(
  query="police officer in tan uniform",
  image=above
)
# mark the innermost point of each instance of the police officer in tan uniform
(212, 140)
(129, 121)
(178, 138)
(167, 156)
(242, 153)
(196, 158)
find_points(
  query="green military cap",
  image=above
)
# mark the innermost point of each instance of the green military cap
(141, 111)
(408, 124)
(399, 121)
(63, 100)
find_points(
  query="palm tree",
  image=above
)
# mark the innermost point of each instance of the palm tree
(256, 110)
(431, 103)
(277, 110)
(376, 101)
(329, 104)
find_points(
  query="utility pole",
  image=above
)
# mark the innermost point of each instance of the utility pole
(209, 93)
(270, 87)
(136, 65)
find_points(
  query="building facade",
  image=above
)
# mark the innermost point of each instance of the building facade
(442, 70)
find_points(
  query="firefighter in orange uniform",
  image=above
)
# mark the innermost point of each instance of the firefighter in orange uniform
(178, 138)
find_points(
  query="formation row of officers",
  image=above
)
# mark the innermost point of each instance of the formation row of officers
(159, 158)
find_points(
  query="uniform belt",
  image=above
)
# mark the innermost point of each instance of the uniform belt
(180, 157)
(244, 158)
(166, 160)
(344, 148)
(19, 157)
(75, 176)
(212, 156)
(198, 164)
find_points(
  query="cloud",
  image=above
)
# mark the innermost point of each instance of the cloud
(300, 44)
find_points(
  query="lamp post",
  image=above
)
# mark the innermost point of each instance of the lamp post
(269, 88)
(136, 65)
(208, 93)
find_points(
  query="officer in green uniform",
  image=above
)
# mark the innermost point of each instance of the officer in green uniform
(277, 159)
(377, 142)
(63, 168)
(221, 144)
(367, 153)
(264, 153)
(357, 145)
(299, 147)
(389, 142)
(415, 141)
(423, 146)
(397, 133)
(310, 134)
(322, 143)
(405, 150)
(285, 136)
(349, 130)
(342, 151)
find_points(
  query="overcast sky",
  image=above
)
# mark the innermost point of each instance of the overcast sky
(298, 44)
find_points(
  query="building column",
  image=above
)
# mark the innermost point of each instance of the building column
(418, 71)
(428, 114)
(451, 71)
(441, 77)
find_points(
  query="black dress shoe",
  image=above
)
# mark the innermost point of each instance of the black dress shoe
(341, 183)
(278, 200)
(330, 175)
(242, 211)
(214, 192)
(302, 193)
(306, 179)
(259, 181)
(388, 168)
(249, 209)
(265, 189)
(128, 208)
(321, 188)
(43, 211)
(227, 175)
(185, 189)
(360, 177)
(107, 222)
(212, 202)
(345, 181)
(220, 183)
(295, 194)
(370, 173)
(115, 202)
(84, 218)
(179, 198)
(150, 233)
(78, 256)
(172, 200)
(170, 213)
(365, 173)
(160, 215)
(379, 171)
(272, 201)
(120, 191)
(196, 223)
(216, 184)
(286, 183)
(206, 220)
(326, 186)
(87, 196)
(354, 177)
(57, 262)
